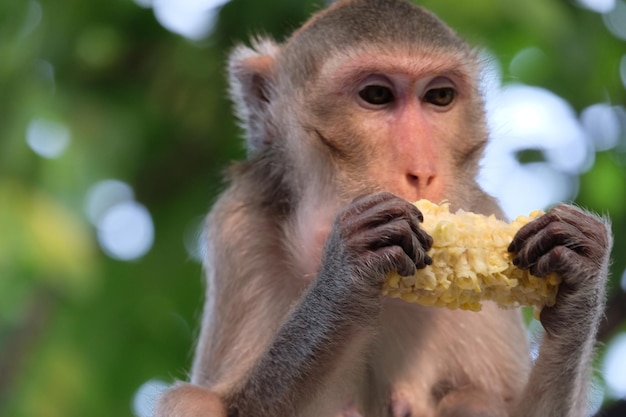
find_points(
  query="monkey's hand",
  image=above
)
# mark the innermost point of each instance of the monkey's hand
(374, 235)
(576, 245)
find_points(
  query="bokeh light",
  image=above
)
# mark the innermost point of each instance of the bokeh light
(33, 18)
(614, 367)
(599, 6)
(535, 334)
(602, 123)
(146, 396)
(527, 61)
(536, 118)
(524, 118)
(533, 186)
(192, 19)
(126, 231)
(194, 239)
(615, 20)
(45, 71)
(47, 138)
(105, 194)
(596, 396)
(125, 227)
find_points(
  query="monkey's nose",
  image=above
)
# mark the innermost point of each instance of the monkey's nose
(423, 185)
(421, 180)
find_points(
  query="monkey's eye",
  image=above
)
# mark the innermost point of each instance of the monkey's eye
(440, 96)
(377, 95)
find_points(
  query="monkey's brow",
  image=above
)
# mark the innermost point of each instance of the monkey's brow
(355, 74)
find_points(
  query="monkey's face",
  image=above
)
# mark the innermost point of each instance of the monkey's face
(402, 121)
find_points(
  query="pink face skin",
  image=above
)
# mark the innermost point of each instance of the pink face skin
(415, 100)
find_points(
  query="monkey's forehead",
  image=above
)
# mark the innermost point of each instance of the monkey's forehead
(351, 65)
(375, 25)
(412, 62)
(351, 22)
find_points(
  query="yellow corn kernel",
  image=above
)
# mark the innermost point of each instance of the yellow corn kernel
(471, 264)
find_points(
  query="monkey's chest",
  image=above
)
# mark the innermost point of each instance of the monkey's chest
(422, 359)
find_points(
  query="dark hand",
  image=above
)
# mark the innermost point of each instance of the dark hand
(374, 235)
(574, 244)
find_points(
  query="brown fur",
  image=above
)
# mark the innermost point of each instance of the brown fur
(293, 323)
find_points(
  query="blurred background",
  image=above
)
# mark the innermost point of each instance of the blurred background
(114, 131)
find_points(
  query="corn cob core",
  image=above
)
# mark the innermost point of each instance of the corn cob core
(471, 264)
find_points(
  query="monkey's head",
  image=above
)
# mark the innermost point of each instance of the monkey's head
(368, 95)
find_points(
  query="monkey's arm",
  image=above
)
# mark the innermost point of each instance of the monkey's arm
(244, 301)
(576, 245)
(341, 305)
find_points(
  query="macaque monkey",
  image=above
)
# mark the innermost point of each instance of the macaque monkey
(369, 105)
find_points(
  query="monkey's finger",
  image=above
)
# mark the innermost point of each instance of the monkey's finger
(567, 263)
(399, 261)
(527, 231)
(407, 229)
(556, 260)
(415, 218)
(365, 202)
(388, 208)
(593, 229)
(401, 258)
(399, 233)
(586, 226)
(552, 235)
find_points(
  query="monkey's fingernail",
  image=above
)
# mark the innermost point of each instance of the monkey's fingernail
(516, 261)
(428, 260)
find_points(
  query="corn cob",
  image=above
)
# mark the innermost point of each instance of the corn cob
(471, 264)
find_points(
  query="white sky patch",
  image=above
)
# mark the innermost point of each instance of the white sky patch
(536, 118)
(598, 6)
(47, 138)
(490, 75)
(533, 186)
(194, 239)
(535, 334)
(596, 396)
(146, 396)
(530, 118)
(614, 367)
(192, 19)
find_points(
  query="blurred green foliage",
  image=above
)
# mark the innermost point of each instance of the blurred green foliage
(79, 331)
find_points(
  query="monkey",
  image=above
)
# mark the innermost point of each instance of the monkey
(369, 105)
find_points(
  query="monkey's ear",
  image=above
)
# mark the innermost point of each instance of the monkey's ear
(252, 77)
